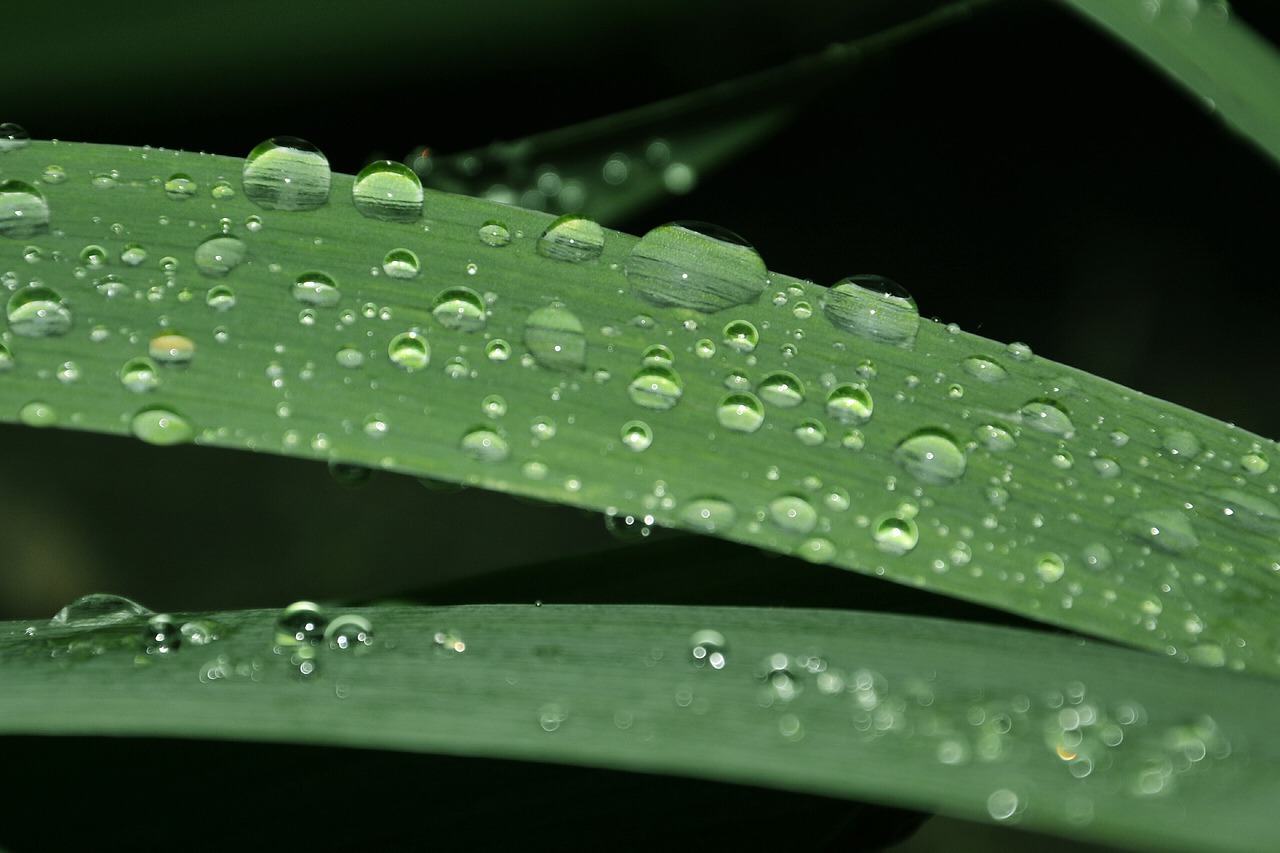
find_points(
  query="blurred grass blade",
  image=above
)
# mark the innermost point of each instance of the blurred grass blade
(615, 166)
(504, 348)
(1230, 69)
(1050, 732)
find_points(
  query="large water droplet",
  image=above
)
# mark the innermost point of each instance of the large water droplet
(793, 514)
(400, 263)
(389, 191)
(99, 609)
(162, 427)
(1048, 416)
(984, 369)
(656, 387)
(707, 514)
(1050, 567)
(485, 444)
(781, 388)
(696, 265)
(38, 413)
(219, 255)
(409, 351)
(995, 437)
(13, 137)
(161, 636)
(873, 307)
(931, 456)
(460, 308)
(741, 335)
(180, 187)
(1166, 530)
(36, 311)
(895, 534)
(171, 348)
(140, 375)
(850, 404)
(555, 338)
(572, 238)
(23, 210)
(301, 623)
(741, 412)
(316, 288)
(286, 173)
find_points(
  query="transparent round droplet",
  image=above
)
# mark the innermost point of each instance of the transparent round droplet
(873, 307)
(707, 514)
(286, 173)
(696, 265)
(217, 256)
(984, 369)
(133, 255)
(657, 354)
(572, 238)
(556, 339)
(810, 432)
(485, 444)
(13, 137)
(38, 413)
(931, 456)
(542, 428)
(389, 191)
(93, 256)
(1255, 462)
(6, 358)
(461, 309)
(707, 649)
(497, 350)
(409, 351)
(740, 412)
(220, 298)
(348, 632)
(995, 437)
(793, 513)
(1003, 804)
(400, 264)
(1050, 567)
(1048, 416)
(170, 348)
(781, 388)
(316, 288)
(301, 623)
(139, 375)
(850, 404)
(636, 435)
(100, 609)
(180, 187)
(23, 210)
(656, 387)
(161, 426)
(895, 534)
(161, 636)
(741, 335)
(1166, 530)
(36, 311)
(494, 233)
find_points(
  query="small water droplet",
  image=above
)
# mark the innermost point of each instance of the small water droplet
(217, 256)
(38, 413)
(460, 308)
(389, 191)
(810, 432)
(704, 348)
(656, 387)
(23, 210)
(348, 632)
(556, 339)
(1165, 530)
(104, 180)
(409, 351)
(316, 288)
(286, 173)
(495, 405)
(850, 404)
(220, 298)
(161, 426)
(497, 350)
(740, 412)
(542, 428)
(133, 254)
(1019, 351)
(636, 435)
(793, 514)
(172, 348)
(995, 437)
(895, 534)
(1003, 805)
(13, 137)
(36, 311)
(781, 388)
(485, 444)
(139, 375)
(53, 174)
(1050, 567)
(696, 265)
(93, 256)
(1255, 462)
(931, 456)
(707, 514)
(1096, 556)
(1048, 416)
(161, 636)
(707, 648)
(400, 264)
(572, 238)
(984, 369)
(494, 233)
(301, 623)
(180, 187)
(375, 425)
(873, 307)
(741, 335)
(99, 609)
(657, 354)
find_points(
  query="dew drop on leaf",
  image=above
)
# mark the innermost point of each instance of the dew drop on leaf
(1047, 416)
(555, 338)
(38, 413)
(707, 649)
(1050, 567)
(286, 173)
(99, 609)
(139, 375)
(316, 288)
(793, 514)
(170, 348)
(36, 311)
(348, 632)
(93, 256)
(995, 437)
(873, 307)
(485, 444)
(23, 210)
(781, 388)
(300, 623)
(218, 255)
(984, 369)
(636, 435)
(740, 335)
(572, 238)
(409, 351)
(400, 264)
(389, 191)
(931, 456)
(656, 387)
(161, 635)
(1165, 530)
(220, 298)
(180, 187)
(707, 514)
(13, 137)
(162, 427)
(460, 308)
(740, 412)
(895, 534)
(133, 254)
(494, 233)
(696, 265)
(810, 432)
(850, 404)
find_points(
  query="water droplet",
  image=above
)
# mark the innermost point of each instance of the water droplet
(572, 238)
(349, 476)
(556, 339)
(1165, 530)
(1181, 442)
(707, 514)
(180, 187)
(6, 358)
(497, 350)
(486, 445)
(995, 438)
(705, 348)
(810, 432)
(219, 255)
(706, 647)
(93, 256)
(984, 369)
(220, 298)
(316, 288)
(1254, 462)
(696, 265)
(139, 375)
(636, 435)
(161, 636)
(1048, 416)
(38, 414)
(850, 404)
(349, 631)
(104, 180)
(895, 534)
(1249, 511)
(495, 405)
(1003, 804)
(133, 254)
(409, 351)
(400, 263)
(23, 210)
(36, 311)
(494, 233)
(781, 388)
(286, 173)
(873, 307)
(460, 308)
(162, 427)
(931, 456)
(99, 609)
(741, 412)
(741, 335)
(657, 354)
(656, 387)
(53, 174)
(1050, 567)
(793, 514)
(13, 137)
(626, 527)
(542, 428)
(389, 191)
(170, 348)
(301, 623)
(375, 425)
(1019, 351)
